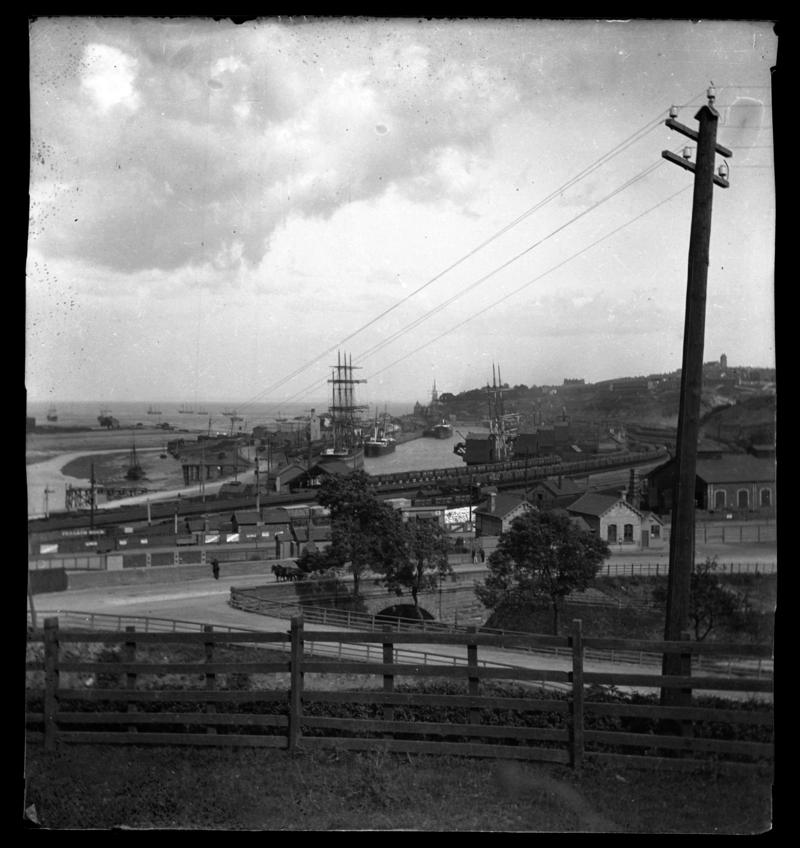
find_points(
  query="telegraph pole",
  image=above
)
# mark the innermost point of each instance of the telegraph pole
(681, 543)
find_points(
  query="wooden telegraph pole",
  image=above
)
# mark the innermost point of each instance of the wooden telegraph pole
(681, 544)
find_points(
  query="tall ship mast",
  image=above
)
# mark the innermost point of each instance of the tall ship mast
(345, 413)
(498, 444)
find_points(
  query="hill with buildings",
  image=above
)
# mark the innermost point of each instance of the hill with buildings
(737, 405)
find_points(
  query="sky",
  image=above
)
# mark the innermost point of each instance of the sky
(220, 210)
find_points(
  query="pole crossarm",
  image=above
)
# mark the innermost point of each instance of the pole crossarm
(689, 166)
(694, 135)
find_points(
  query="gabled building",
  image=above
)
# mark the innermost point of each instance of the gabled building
(618, 522)
(554, 492)
(495, 516)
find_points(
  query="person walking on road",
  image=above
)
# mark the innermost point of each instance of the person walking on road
(215, 568)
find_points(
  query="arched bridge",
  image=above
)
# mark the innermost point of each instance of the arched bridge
(454, 601)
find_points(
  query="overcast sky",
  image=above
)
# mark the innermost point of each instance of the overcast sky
(216, 209)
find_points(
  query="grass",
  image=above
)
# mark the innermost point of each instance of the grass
(90, 787)
(186, 788)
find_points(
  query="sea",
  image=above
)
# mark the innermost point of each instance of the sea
(417, 454)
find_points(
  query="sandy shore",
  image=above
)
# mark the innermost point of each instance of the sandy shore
(57, 460)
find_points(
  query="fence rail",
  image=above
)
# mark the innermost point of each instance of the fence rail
(659, 569)
(249, 601)
(73, 698)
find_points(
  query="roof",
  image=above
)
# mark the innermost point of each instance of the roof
(336, 467)
(275, 515)
(736, 468)
(247, 516)
(728, 468)
(291, 472)
(503, 505)
(565, 487)
(597, 505)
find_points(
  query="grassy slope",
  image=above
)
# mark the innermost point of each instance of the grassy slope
(118, 786)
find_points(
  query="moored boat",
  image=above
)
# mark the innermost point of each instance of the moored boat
(442, 430)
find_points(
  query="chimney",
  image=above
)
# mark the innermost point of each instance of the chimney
(492, 501)
(623, 494)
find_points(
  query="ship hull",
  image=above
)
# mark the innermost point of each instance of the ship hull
(353, 458)
(438, 432)
(382, 448)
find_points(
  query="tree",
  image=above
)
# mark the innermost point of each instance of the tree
(710, 603)
(542, 557)
(365, 532)
(425, 562)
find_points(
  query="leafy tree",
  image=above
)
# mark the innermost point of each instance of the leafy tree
(365, 532)
(710, 603)
(425, 562)
(542, 557)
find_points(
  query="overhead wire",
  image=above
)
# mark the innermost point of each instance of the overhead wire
(599, 162)
(619, 148)
(412, 325)
(532, 281)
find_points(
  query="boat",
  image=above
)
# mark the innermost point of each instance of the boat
(379, 443)
(496, 446)
(151, 410)
(135, 470)
(442, 430)
(186, 410)
(345, 415)
(52, 415)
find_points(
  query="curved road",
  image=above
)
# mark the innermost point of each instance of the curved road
(205, 601)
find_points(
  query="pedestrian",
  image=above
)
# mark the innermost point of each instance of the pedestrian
(215, 568)
(474, 555)
(483, 555)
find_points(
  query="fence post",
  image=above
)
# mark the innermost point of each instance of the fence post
(129, 656)
(576, 725)
(296, 684)
(473, 680)
(211, 677)
(51, 651)
(388, 679)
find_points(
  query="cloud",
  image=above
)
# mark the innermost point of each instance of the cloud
(198, 150)
(109, 75)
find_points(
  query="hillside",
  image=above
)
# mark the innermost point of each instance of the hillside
(737, 415)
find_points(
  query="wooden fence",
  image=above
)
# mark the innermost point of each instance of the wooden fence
(272, 702)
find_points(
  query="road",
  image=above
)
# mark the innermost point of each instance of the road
(205, 601)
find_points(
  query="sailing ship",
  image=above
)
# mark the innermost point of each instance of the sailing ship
(380, 442)
(186, 410)
(345, 415)
(498, 444)
(52, 415)
(135, 470)
(152, 410)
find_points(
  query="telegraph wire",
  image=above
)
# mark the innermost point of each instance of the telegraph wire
(441, 306)
(531, 282)
(621, 147)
